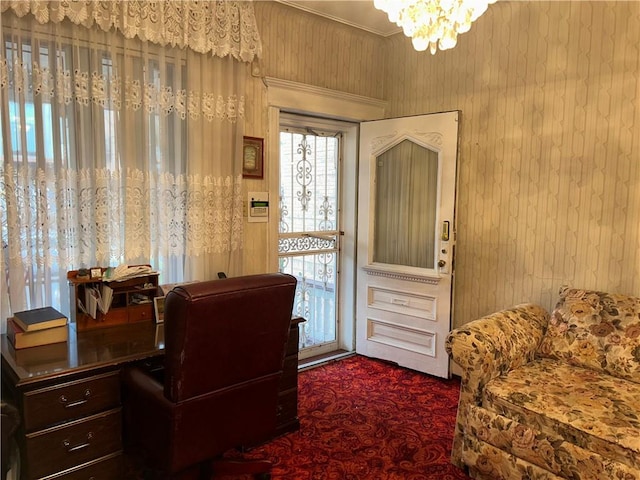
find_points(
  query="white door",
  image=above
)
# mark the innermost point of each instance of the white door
(407, 183)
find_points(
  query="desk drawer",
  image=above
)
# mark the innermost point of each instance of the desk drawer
(287, 405)
(292, 342)
(52, 405)
(140, 313)
(110, 467)
(289, 377)
(74, 443)
(287, 416)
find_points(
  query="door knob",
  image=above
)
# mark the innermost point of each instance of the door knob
(442, 263)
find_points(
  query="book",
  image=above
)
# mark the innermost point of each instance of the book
(44, 357)
(22, 339)
(39, 319)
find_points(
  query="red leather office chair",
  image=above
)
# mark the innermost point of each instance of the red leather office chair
(224, 352)
(9, 422)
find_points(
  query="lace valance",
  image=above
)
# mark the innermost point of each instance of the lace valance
(222, 27)
(113, 92)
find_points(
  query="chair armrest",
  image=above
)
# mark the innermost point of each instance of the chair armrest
(141, 384)
(488, 347)
(10, 420)
(147, 414)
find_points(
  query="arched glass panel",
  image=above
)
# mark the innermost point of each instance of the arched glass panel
(405, 208)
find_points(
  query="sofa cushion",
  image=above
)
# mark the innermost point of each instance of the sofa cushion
(590, 409)
(596, 330)
(501, 448)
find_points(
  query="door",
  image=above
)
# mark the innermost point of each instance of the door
(407, 180)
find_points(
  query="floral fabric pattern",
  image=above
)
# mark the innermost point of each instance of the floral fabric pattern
(597, 330)
(597, 411)
(490, 463)
(543, 400)
(489, 347)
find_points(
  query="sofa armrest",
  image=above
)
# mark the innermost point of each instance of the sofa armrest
(488, 347)
(497, 343)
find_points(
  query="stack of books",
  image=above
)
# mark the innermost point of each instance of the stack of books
(41, 326)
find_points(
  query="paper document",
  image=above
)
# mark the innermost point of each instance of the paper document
(106, 292)
(91, 301)
(166, 288)
(125, 272)
(97, 298)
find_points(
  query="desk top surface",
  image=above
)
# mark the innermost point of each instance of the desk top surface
(87, 350)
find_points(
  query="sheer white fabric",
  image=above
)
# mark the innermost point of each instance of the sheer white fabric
(108, 90)
(222, 27)
(114, 151)
(406, 206)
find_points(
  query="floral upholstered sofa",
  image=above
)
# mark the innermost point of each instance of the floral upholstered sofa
(551, 396)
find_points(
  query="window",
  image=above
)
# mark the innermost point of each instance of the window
(115, 153)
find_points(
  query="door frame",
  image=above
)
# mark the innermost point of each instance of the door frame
(307, 125)
(332, 105)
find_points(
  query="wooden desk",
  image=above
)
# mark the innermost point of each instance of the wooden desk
(70, 403)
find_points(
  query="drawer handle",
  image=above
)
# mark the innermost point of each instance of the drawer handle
(75, 448)
(399, 301)
(64, 400)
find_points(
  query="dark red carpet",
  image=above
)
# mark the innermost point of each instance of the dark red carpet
(366, 419)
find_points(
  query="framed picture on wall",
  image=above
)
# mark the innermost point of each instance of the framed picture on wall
(252, 157)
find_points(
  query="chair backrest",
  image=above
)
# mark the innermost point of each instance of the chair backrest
(223, 333)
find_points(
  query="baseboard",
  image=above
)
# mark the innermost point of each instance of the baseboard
(312, 362)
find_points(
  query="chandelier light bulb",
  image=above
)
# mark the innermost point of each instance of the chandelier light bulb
(464, 26)
(433, 23)
(448, 40)
(420, 44)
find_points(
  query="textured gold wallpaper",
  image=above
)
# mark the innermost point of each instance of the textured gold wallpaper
(549, 167)
(306, 48)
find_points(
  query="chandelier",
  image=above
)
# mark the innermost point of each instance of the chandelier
(433, 23)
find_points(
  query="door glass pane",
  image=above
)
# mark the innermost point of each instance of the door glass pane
(315, 298)
(406, 190)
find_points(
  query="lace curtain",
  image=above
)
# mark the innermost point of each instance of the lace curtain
(114, 150)
(222, 27)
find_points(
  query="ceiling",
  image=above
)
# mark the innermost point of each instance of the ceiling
(356, 13)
